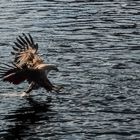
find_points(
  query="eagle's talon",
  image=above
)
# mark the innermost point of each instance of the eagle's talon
(24, 94)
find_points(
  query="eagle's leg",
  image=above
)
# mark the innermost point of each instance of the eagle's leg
(30, 88)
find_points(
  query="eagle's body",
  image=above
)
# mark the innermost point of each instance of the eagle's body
(27, 65)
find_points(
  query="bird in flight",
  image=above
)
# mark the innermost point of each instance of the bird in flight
(28, 66)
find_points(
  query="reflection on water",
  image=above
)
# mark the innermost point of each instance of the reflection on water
(27, 119)
(97, 49)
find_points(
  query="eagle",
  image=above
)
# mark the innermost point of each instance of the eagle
(27, 65)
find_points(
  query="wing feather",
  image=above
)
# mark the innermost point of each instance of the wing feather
(25, 51)
(15, 74)
(31, 39)
(18, 45)
(27, 40)
(25, 64)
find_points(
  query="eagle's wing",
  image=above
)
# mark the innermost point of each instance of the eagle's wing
(25, 52)
(26, 59)
(12, 73)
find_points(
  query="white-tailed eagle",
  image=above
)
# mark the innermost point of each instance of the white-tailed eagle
(27, 65)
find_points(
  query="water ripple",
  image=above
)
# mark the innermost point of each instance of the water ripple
(96, 47)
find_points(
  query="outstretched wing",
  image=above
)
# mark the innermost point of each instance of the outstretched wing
(26, 59)
(25, 52)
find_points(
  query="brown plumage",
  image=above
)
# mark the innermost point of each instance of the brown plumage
(27, 65)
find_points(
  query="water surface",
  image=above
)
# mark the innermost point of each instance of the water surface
(97, 49)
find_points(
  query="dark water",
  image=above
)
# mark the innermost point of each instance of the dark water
(96, 45)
